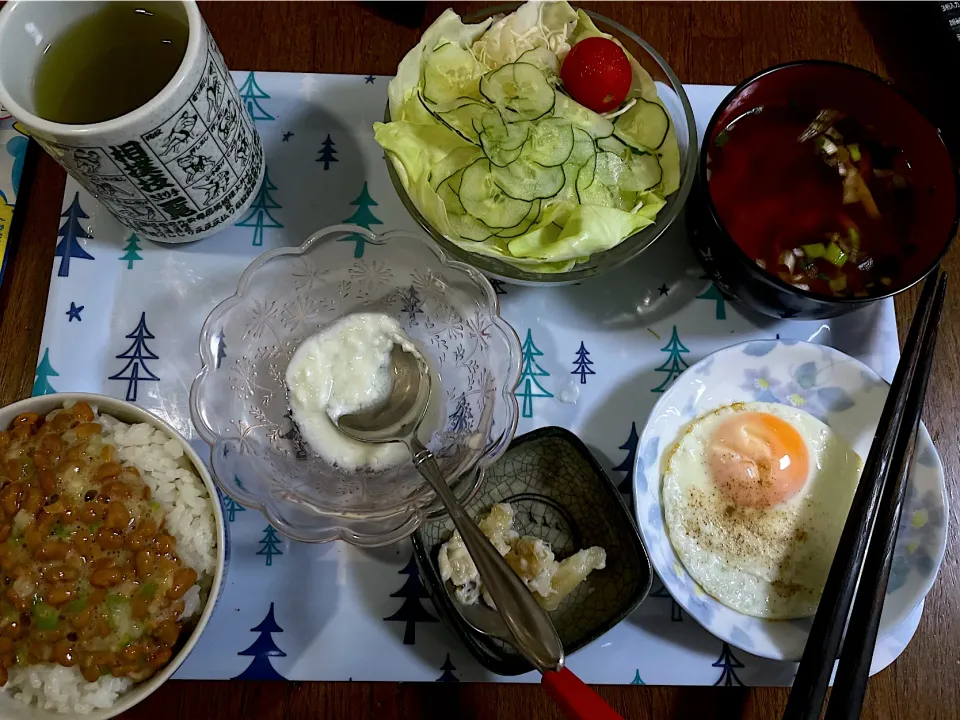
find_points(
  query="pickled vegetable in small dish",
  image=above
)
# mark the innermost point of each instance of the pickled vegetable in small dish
(493, 137)
(107, 550)
(531, 558)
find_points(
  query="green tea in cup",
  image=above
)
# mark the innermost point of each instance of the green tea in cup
(110, 62)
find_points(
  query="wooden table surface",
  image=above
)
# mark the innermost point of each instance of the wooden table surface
(718, 43)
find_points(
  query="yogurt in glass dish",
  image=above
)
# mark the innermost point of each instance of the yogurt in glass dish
(260, 454)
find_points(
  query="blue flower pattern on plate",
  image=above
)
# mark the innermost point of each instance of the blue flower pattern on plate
(824, 382)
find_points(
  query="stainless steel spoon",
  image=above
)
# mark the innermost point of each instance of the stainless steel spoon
(397, 420)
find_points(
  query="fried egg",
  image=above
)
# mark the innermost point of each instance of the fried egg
(755, 496)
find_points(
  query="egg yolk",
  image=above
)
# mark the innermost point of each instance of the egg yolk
(757, 459)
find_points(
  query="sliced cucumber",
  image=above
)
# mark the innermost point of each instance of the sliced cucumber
(499, 155)
(439, 118)
(550, 142)
(447, 191)
(583, 148)
(450, 72)
(645, 124)
(452, 163)
(461, 118)
(520, 90)
(469, 228)
(595, 125)
(464, 224)
(542, 58)
(501, 141)
(611, 169)
(525, 224)
(586, 176)
(526, 180)
(613, 144)
(644, 173)
(483, 199)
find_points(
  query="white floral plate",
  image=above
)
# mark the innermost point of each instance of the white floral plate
(845, 394)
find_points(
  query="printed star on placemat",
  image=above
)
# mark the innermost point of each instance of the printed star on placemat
(74, 312)
(368, 80)
(664, 290)
(287, 136)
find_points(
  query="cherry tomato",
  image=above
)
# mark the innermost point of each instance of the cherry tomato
(597, 74)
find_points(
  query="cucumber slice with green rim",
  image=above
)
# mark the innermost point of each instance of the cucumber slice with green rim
(452, 163)
(501, 141)
(586, 176)
(499, 155)
(611, 169)
(520, 90)
(583, 148)
(595, 125)
(613, 144)
(483, 199)
(542, 58)
(469, 228)
(525, 224)
(643, 173)
(511, 135)
(645, 124)
(550, 142)
(439, 118)
(465, 225)
(448, 194)
(450, 72)
(526, 180)
(461, 118)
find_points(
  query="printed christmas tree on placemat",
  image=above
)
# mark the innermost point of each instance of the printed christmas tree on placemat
(713, 293)
(674, 364)
(70, 233)
(364, 218)
(448, 667)
(327, 155)
(676, 612)
(137, 355)
(461, 419)
(231, 507)
(729, 665)
(582, 364)
(262, 650)
(412, 610)
(252, 94)
(259, 216)
(411, 305)
(41, 385)
(221, 348)
(132, 248)
(271, 543)
(530, 386)
(626, 485)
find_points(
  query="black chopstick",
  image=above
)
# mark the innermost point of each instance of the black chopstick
(850, 682)
(816, 665)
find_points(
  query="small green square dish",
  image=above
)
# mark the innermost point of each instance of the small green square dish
(562, 495)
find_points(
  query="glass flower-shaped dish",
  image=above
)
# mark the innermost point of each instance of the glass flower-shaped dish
(239, 405)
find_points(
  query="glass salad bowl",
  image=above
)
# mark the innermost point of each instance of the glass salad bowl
(239, 404)
(670, 92)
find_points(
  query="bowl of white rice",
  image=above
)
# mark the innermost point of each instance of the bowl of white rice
(180, 487)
